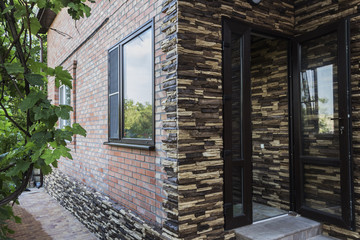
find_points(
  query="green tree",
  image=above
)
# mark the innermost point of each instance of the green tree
(29, 136)
(138, 119)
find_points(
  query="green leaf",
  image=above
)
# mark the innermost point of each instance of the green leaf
(64, 151)
(46, 169)
(61, 135)
(48, 156)
(20, 11)
(17, 219)
(13, 68)
(43, 112)
(62, 76)
(7, 9)
(63, 111)
(40, 3)
(77, 129)
(87, 10)
(34, 25)
(41, 138)
(35, 79)
(31, 100)
(35, 157)
(21, 166)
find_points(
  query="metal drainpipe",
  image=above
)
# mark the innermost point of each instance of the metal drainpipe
(74, 99)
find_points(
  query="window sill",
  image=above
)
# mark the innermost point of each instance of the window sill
(137, 146)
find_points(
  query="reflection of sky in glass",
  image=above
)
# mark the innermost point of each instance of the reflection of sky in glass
(137, 68)
(325, 89)
(324, 78)
(308, 76)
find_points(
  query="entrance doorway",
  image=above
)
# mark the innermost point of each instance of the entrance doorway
(277, 125)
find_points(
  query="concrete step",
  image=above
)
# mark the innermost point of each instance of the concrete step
(280, 228)
(321, 237)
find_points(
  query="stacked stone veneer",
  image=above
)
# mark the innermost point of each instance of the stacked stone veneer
(270, 123)
(169, 67)
(200, 100)
(102, 216)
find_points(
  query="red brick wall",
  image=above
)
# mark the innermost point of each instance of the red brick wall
(131, 177)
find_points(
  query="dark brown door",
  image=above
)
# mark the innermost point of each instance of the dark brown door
(322, 122)
(237, 125)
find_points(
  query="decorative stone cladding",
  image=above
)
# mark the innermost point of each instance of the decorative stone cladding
(169, 66)
(355, 101)
(105, 218)
(308, 16)
(200, 122)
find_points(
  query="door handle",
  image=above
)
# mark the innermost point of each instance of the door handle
(339, 118)
(342, 129)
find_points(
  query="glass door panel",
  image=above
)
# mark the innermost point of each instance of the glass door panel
(322, 146)
(237, 125)
(319, 97)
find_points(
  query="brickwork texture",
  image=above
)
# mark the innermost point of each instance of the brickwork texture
(178, 187)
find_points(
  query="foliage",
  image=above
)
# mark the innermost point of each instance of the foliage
(29, 136)
(138, 119)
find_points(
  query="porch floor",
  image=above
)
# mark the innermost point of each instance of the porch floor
(282, 228)
(261, 212)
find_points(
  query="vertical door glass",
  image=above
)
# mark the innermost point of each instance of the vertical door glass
(237, 180)
(236, 96)
(319, 95)
(320, 124)
(236, 117)
(322, 188)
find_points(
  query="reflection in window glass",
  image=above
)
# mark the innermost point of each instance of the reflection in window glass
(64, 99)
(137, 77)
(325, 99)
(317, 97)
(319, 94)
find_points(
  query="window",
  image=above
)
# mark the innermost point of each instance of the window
(131, 91)
(64, 99)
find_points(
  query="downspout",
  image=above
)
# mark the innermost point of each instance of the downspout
(74, 100)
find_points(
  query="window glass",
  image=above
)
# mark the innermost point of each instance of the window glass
(114, 116)
(137, 77)
(319, 94)
(114, 94)
(64, 99)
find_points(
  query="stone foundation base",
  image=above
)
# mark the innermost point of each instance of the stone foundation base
(97, 212)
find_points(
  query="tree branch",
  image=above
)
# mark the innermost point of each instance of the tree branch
(11, 22)
(13, 43)
(7, 168)
(13, 196)
(13, 121)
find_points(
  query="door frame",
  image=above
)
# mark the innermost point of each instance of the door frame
(344, 101)
(229, 24)
(239, 27)
(245, 164)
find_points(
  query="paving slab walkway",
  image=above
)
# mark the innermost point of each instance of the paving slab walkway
(43, 218)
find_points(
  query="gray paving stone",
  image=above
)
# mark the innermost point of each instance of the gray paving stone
(44, 219)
